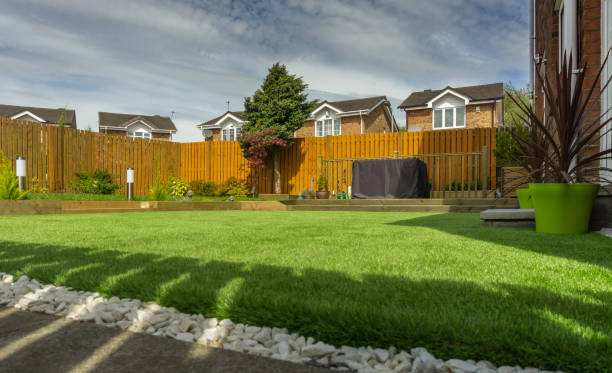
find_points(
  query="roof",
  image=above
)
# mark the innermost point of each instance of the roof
(118, 120)
(237, 114)
(49, 115)
(353, 105)
(344, 106)
(474, 93)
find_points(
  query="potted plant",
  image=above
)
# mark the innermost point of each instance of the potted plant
(322, 192)
(307, 194)
(556, 154)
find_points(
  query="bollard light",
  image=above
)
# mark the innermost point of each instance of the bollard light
(130, 183)
(20, 171)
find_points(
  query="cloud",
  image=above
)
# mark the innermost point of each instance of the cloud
(189, 57)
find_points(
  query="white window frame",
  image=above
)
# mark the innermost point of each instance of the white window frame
(232, 134)
(139, 135)
(443, 109)
(323, 132)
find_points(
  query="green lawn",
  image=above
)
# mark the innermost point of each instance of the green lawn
(442, 281)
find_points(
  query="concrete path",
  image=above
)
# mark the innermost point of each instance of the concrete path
(34, 342)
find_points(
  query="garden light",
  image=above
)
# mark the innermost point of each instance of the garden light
(20, 170)
(130, 183)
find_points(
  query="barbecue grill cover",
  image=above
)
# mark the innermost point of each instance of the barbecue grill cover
(390, 178)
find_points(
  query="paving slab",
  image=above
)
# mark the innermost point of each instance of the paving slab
(509, 218)
(35, 342)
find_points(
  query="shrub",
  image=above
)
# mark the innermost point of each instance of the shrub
(100, 182)
(203, 188)
(321, 183)
(177, 187)
(158, 192)
(232, 187)
(9, 185)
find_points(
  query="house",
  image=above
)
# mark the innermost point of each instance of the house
(328, 118)
(582, 28)
(478, 106)
(136, 125)
(41, 115)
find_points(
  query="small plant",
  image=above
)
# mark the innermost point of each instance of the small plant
(177, 187)
(321, 183)
(99, 182)
(158, 192)
(307, 194)
(9, 185)
(36, 188)
(232, 187)
(203, 188)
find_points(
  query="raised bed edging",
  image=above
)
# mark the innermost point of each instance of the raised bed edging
(33, 207)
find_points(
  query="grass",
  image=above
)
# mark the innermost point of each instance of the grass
(442, 281)
(119, 197)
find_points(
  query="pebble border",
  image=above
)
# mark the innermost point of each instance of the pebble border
(148, 317)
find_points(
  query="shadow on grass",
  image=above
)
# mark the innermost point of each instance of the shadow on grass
(566, 246)
(502, 323)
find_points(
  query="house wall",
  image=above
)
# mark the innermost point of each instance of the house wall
(307, 130)
(421, 120)
(484, 119)
(114, 132)
(352, 125)
(377, 121)
(589, 48)
(161, 136)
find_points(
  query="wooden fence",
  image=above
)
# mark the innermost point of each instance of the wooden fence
(54, 154)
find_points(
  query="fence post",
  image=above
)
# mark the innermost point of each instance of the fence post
(484, 172)
(319, 164)
(395, 154)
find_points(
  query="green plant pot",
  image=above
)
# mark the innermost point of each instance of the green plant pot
(524, 198)
(563, 208)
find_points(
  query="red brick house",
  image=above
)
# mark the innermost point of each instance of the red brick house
(582, 28)
(479, 106)
(40, 115)
(134, 125)
(328, 118)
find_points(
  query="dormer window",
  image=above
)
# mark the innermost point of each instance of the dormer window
(452, 117)
(139, 135)
(230, 133)
(328, 127)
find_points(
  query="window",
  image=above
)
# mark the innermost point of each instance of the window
(453, 117)
(139, 134)
(437, 118)
(328, 127)
(231, 133)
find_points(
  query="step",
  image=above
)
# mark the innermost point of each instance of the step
(393, 208)
(511, 202)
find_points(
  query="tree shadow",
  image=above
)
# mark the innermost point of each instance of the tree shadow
(566, 246)
(507, 324)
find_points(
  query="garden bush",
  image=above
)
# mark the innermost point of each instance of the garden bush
(98, 182)
(232, 187)
(158, 192)
(9, 185)
(177, 187)
(203, 188)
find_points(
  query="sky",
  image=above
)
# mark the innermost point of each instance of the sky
(185, 59)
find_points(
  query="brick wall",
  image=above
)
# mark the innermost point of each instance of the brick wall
(484, 119)
(377, 121)
(547, 45)
(161, 136)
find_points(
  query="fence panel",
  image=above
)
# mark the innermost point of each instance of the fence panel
(54, 154)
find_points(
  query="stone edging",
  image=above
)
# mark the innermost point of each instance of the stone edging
(277, 343)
